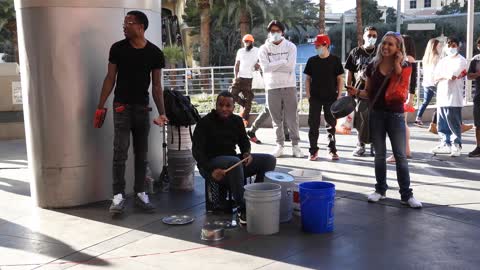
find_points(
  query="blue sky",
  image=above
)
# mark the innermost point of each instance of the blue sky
(339, 6)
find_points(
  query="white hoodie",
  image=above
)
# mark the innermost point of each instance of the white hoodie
(278, 64)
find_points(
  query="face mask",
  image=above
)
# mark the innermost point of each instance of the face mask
(451, 51)
(274, 37)
(319, 51)
(370, 42)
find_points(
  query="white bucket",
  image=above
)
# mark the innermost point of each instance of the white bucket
(286, 181)
(174, 139)
(301, 176)
(262, 201)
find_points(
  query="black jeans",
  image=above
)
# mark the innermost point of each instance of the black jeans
(314, 113)
(134, 119)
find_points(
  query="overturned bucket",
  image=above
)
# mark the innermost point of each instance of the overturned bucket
(302, 176)
(317, 202)
(262, 201)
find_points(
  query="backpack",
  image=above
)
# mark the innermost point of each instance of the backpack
(180, 112)
(179, 109)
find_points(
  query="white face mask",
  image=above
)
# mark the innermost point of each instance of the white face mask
(451, 51)
(369, 42)
(275, 37)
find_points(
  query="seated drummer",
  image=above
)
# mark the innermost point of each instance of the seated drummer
(214, 148)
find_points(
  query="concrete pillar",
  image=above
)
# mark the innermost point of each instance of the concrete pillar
(64, 47)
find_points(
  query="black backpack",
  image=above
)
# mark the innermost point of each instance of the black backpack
(179, 109)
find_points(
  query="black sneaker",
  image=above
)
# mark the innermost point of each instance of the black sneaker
(242, 217)
(253, 138)
(359, 151)
(146, 206)
(475, 152)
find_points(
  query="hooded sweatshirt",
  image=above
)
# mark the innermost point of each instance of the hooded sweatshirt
(278, 64)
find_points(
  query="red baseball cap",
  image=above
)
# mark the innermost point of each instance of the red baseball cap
(322, 39)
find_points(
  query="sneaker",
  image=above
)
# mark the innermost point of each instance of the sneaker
(433, 128)
(314, 156)
(413, 203)
(278, 152)
(391, 159)
(418, 123)
(466, 128)
(297, 152)
(359, 151)
(142, 201)
(375, 197)
(475, 152)
(333, 155)
(242, 217)
(456, 150)
(253, 137)
(442, 149)
(287, 137)
(118, 204)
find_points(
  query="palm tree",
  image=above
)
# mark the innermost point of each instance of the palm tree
(359, 23)
(8, 28)
(321, 23)
(241, 12)
(204, 7)
(296, 15)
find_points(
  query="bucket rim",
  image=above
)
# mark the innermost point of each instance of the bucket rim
(325, 185)
(275, 187)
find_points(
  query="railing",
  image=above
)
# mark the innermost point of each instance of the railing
(205, 82)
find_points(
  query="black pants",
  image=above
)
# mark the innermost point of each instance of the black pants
(314, 114)
(134, 119)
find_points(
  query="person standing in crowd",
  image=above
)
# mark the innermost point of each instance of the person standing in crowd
(245, 63)
(323, 85)
(356, 64)
(133, 62)
(227, 131)
(474, 74)
(449, 74)
(261, 118)
(278, 58)
(429, 62)
(411, 54)
(387, 115)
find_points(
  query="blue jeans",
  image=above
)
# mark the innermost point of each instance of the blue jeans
(428, 93)
(450, 124)
(235, 179)
(393, 124)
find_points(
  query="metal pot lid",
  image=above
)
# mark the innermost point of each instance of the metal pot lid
(178, 220)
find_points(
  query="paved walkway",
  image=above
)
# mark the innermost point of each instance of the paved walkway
(443, 235)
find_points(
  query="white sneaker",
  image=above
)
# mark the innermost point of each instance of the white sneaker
(413, 203)
(297, 152)
(278, 152)
(456, 150)
(144, 197)
(442, 149)
(375, 197)
(117, 199)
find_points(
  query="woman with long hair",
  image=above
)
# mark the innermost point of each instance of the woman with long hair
(387, 114)
(429, 62)
(411, 54)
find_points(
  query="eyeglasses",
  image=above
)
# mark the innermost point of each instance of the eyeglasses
(391, 33)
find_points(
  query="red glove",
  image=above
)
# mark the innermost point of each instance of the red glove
(408, 108)
(99, 117)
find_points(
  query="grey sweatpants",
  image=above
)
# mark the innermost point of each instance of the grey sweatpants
(284, 99)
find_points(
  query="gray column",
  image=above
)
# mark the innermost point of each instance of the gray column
(64, 47)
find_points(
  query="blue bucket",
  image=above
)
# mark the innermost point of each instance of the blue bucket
(316, 203)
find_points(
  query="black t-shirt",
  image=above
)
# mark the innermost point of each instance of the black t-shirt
(357, 62)
(475, 68)
(134, 68)
(324, 72)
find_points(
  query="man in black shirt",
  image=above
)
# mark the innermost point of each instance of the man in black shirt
(227, 131)
(356, 64)
(323, 85)
(474, 74)
(133, 63)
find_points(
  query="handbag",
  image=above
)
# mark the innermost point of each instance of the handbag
(397, 89)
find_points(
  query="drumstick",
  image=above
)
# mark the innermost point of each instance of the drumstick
(236, 165)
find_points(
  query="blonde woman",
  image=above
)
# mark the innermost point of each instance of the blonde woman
(387, 115)
(429, 62)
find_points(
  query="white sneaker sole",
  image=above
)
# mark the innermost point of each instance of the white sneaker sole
(374, 201)
(406, 203)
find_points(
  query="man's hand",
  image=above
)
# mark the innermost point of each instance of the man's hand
(453, 78)
(249, 158)
(218, 174)
(257, 66)
(161, 120)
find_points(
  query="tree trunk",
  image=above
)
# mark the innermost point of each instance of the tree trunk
(321, 21)
(244, 22)
(359, 23)
(204, 7)
(12, 27)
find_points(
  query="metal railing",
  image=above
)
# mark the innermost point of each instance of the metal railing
(209, 81)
